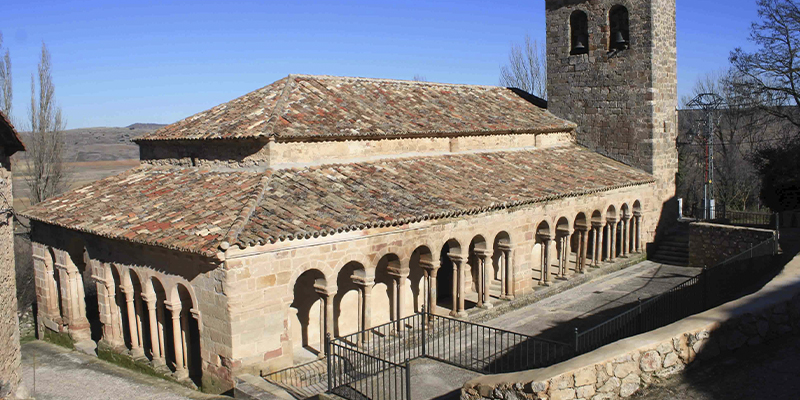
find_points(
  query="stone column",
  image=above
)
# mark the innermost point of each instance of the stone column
(545, 278)
(458, 285)
(598, 243)
(367, 312)
(508, 265)
(133, 331)
(155, 332)
(430, 275)
(177, 339)
(326, 294)
(483, 277)
(612, 225)
(79, 328)
(185, 338)
(637, 223)
(584, 249)
(625, 235)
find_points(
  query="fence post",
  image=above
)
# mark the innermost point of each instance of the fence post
(408, 379)
(639, 317)
(329, 360)
(576, 341)
(704, 278)
(424, 338)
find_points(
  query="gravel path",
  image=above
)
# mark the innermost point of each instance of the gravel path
(67, 375)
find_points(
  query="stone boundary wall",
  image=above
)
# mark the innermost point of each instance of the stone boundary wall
(9, 323)
(710, 244)
(621, 369)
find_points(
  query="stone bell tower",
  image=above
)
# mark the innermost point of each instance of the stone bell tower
(612, 69)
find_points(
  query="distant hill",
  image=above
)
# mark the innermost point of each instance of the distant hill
(104, 143)
(92, 154)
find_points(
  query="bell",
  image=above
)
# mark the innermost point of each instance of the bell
(619, 41)
(579, 47)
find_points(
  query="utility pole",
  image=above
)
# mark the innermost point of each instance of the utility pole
(709, 103)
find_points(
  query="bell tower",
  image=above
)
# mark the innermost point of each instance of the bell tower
(612, 69)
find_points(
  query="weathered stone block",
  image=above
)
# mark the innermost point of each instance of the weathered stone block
(630, 385)
(650, 361)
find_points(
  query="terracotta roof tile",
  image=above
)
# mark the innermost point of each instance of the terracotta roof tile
(183, 209)
(302, 107)
(195, 210)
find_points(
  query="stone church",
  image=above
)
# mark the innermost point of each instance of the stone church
(322, 204)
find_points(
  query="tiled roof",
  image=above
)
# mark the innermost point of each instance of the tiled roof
(183, 209)
(193, 210)
(304, 107)
(9, 137)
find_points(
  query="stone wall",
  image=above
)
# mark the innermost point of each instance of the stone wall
(710, 244)
(113, 266)
(9, 322)
(261, 154)
(621, 369)
(623, 101)
(260, 280)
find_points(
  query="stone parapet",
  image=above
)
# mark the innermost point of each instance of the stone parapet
(621, 369)
(710, 244)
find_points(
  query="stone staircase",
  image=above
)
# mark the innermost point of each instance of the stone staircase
(673, 249)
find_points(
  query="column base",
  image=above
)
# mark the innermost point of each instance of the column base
(544, 284)
(453, 313)
(487, 306)
(137, 353)
(461, 314)
(181, 374)
(159, 362)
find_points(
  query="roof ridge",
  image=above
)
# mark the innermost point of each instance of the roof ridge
(269, 127)
(390, 80)
(247, 211)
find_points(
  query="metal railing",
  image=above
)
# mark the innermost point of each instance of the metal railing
(356, 375)
(724, 215)
(708, 289)
(302, 381)
(490, 350)
(374, 363)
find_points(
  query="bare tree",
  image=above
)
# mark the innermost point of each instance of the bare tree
(770, 76)
(526, 68)
(419, 78)
(47, 174)
(739, 129)
(5, 81)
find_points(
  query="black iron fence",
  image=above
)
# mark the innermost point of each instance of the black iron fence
(375, 363)
(302, 381)
(489, 350)
(712, 287)
(353, 374)
(724, 215)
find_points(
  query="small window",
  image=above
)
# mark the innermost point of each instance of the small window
(579, 27)
(618, 22)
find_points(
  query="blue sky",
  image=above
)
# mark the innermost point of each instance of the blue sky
(120, 62)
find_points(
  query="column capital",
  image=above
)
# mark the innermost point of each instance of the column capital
(398, 272)
(174, 306)
(361, 280)
(323, 289)
(626, 217)
(456, 258)
(545, 237)
(582, 228)
(611, 220)
(598, 224)
(504, 247)
(637, 214)
(424, 264)
(483, 253)
(149, 297)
